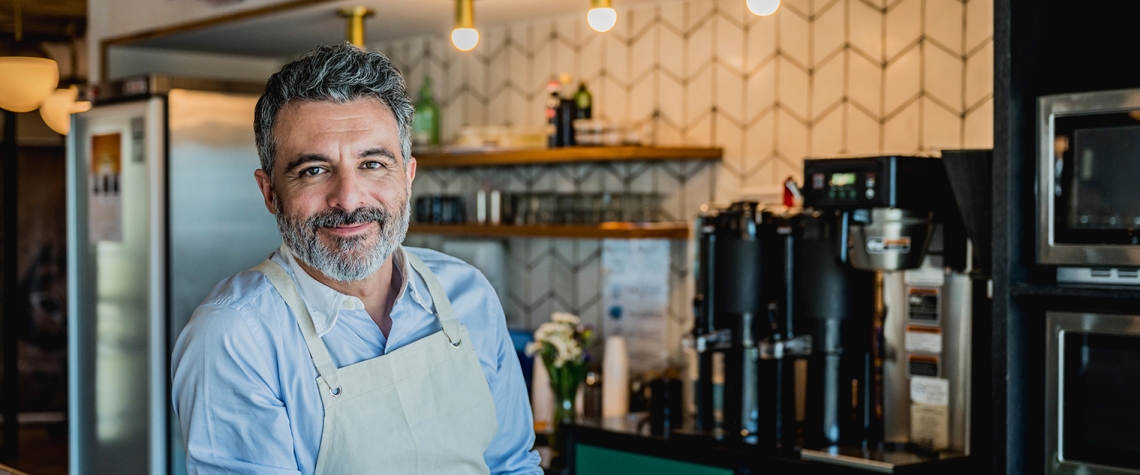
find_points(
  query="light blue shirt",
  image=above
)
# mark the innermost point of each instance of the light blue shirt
(245, 387)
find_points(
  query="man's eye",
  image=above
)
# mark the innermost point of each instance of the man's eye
(373, 165)
(312, 171)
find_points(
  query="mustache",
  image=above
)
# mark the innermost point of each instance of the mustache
(334, 217)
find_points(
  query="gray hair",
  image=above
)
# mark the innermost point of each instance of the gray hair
(337, 73)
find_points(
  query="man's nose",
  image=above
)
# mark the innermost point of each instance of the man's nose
(347, 193)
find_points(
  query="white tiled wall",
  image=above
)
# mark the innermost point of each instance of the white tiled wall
(819, 77)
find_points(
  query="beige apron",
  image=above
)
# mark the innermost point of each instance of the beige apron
(423, 408)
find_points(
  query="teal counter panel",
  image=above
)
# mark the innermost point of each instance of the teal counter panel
(593, 460)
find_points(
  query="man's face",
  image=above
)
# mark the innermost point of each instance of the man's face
(340, 188)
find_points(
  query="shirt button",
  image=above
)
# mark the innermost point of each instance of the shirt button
(348, 304)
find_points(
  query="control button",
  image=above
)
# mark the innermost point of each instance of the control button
(870, 193)
(831, 194)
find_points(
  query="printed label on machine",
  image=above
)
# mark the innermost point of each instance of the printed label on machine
(882, 245)
(923, 339)
(930, 391)
(922, 365)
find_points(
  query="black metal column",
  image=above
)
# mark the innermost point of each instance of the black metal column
(10, 281)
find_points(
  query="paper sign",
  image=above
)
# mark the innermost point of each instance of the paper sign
(105, 202)
(930, 391)
(635, 299)
(930, 426)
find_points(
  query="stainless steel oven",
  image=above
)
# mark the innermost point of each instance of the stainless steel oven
(1092, 387)
(1089, 185)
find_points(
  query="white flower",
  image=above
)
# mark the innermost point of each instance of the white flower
(557, 341)
(550, 330)
(562, 317)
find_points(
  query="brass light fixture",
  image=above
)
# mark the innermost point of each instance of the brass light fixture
(354, 29)
(465, 37)
(27, 76)
(602, 17)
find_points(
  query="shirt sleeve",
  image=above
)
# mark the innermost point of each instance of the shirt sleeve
(511, 451)
(225, 397)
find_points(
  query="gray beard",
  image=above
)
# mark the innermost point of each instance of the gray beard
(349, 259)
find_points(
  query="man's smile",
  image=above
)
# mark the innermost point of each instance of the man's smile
(349, 230)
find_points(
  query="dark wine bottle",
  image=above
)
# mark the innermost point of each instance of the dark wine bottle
(584, 100)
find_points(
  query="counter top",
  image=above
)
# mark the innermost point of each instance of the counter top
(632, 434)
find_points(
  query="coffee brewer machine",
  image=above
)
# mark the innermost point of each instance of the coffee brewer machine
(743, 330)
(843, 329)
(891, 360)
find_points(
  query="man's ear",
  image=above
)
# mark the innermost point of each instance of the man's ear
(411, 170)
(266, 186)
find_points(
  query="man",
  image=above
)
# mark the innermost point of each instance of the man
(345, 353)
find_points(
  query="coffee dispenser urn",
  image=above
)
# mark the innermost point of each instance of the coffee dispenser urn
(835, 304)
(743, 332)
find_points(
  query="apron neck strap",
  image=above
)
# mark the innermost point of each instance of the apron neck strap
(443, 310)
(284, 285)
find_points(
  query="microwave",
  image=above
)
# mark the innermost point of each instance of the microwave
(1092, 389)
(1088, 186)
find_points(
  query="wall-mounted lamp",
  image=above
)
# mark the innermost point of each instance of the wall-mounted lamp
(354, 29)
(465, 36)
(56, 110)
(602, 17)
(762, 7)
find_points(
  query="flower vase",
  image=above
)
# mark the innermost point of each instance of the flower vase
(565, 388)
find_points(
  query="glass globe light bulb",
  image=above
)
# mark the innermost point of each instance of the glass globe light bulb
(763, 7)
(601, 19)
(465, 39)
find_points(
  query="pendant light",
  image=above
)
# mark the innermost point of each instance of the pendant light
(602, 17)
(465, 36)
(762, 7)
(354, 29)
(27, 76)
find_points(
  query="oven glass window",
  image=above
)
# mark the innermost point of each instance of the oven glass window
(1106, 178)
(1101, 406)
(1097, 169)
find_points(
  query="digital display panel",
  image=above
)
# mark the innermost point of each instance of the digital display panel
(842, 179)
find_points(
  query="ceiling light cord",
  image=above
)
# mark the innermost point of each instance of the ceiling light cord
(18, 16)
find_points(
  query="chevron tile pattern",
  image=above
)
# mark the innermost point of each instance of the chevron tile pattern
(818, 78)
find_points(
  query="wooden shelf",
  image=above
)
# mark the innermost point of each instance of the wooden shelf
(563, 155)
(576, 231)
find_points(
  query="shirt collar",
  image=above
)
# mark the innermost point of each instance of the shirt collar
(324, 304)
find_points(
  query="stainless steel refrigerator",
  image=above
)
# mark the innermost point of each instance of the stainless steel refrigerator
(162, 205)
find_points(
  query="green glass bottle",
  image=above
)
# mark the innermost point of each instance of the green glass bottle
(426, 123)
(585, 102)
